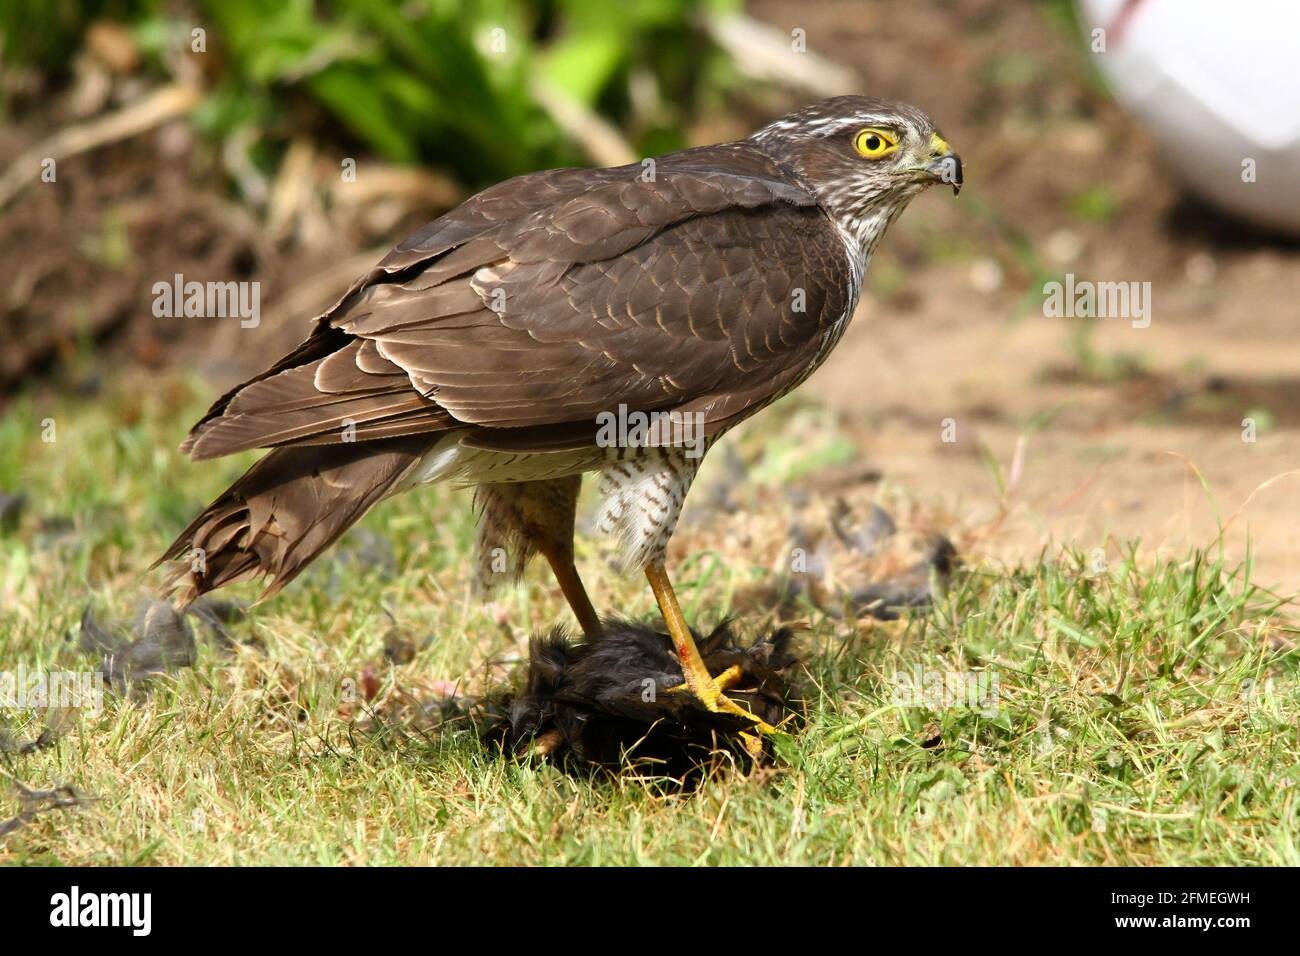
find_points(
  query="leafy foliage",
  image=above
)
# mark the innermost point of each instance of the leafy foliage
(439, 81)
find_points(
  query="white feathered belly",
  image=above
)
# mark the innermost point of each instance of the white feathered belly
(642, 490)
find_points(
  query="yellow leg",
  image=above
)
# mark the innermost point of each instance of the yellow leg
(700, 682)
(571, 585)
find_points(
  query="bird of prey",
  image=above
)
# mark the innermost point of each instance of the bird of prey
(492, 347)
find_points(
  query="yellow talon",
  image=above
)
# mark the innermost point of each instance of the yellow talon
(723, 680)
(707, 688)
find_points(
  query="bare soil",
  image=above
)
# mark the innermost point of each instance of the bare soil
(1149, 447)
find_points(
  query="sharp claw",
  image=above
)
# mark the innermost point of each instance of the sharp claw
(716, 701)
(731, 707)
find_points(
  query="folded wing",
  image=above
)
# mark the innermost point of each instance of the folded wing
(706, 285)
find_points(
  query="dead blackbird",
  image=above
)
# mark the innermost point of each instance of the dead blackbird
(617, 700)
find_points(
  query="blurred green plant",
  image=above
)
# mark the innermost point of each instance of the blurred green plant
(1094, 204)
(44, 34)
(455, 83)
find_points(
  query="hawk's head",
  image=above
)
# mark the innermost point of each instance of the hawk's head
(864, 158)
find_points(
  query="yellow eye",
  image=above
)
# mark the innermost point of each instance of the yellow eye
(874, 143)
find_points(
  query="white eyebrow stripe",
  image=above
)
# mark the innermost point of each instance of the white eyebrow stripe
(829, 125)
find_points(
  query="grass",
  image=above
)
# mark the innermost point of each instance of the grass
(1146, 714)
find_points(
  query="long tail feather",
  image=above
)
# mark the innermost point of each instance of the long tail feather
(284, 511)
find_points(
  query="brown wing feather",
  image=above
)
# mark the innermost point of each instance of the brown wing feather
(705, 314)
(549, 299)
(504, 202)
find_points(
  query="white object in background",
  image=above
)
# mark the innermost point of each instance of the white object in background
(1218, 86)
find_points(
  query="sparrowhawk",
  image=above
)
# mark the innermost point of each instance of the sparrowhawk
(494, 346)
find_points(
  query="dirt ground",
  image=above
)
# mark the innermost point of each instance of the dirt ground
(953, 327)
(1094, 449)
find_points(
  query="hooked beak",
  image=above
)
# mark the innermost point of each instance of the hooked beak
(944, 165)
